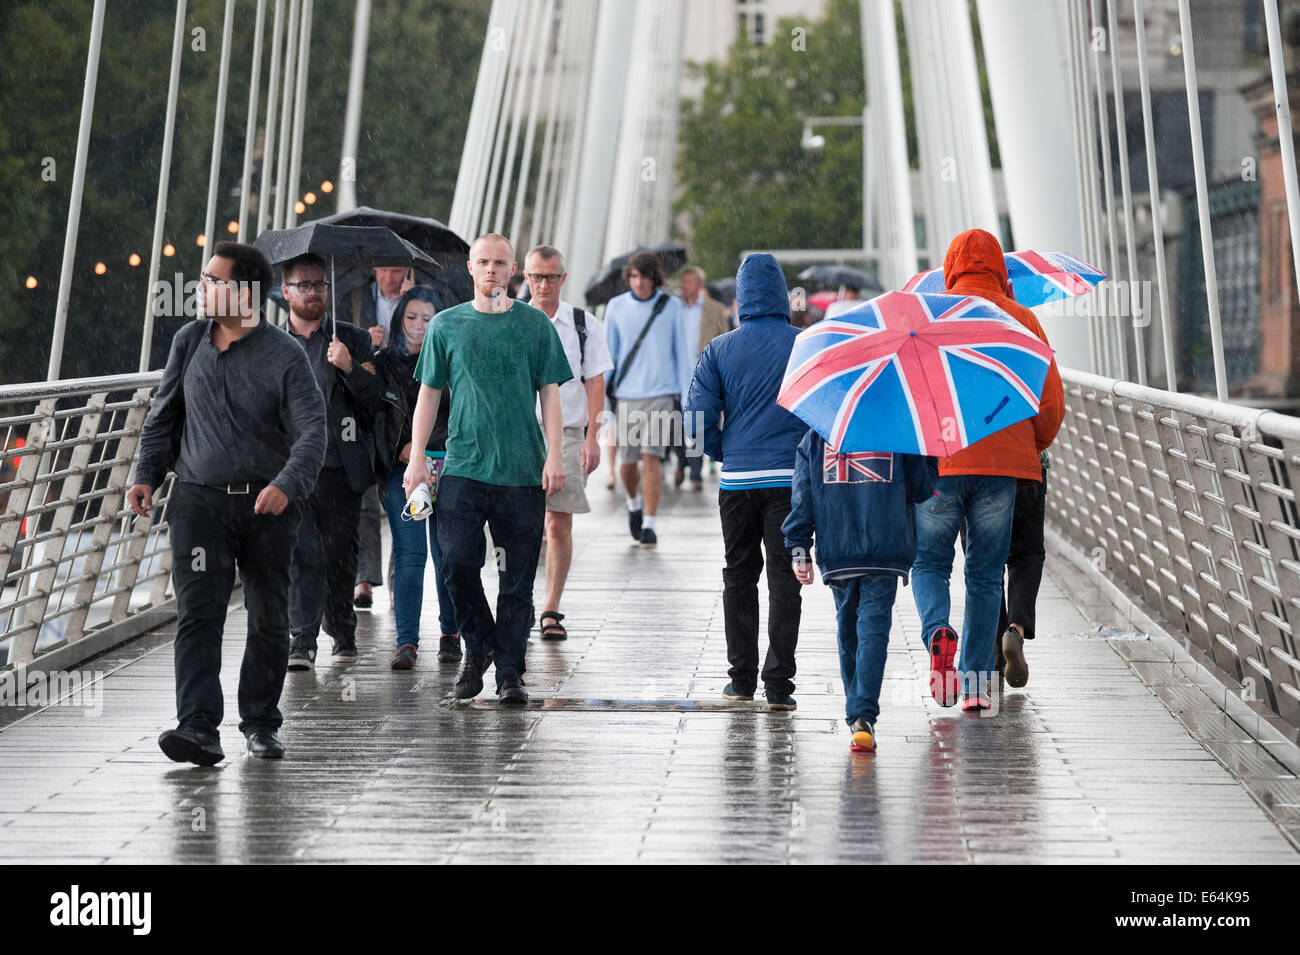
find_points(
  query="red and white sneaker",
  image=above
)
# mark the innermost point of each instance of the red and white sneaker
(943, 672)
(983, 700)
(864, 736)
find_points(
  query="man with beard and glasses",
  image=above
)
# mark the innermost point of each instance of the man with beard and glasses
(240, 420)
(325, 560)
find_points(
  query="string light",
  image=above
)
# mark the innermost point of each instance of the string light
(201, 241)
(134, 259)
(310, 198)
(327, 186)
(31, 281)
(100, 268)
(169, 250)
(299, 208)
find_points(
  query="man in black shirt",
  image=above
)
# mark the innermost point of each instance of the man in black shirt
(240, 419)
(325, 558)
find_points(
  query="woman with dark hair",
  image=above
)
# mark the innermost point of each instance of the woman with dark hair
(396, 366)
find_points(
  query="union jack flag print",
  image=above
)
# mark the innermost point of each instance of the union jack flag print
(1036, 277)
(915, 374)
(856, 467)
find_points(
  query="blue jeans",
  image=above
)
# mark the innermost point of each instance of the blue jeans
(863, 609)
(409, 555)
(984, 504)
(515, 516)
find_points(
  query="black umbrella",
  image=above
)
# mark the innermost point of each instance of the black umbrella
(432, 237)
(350, 245)
(837, 275)
(723, 290)
(609, 281)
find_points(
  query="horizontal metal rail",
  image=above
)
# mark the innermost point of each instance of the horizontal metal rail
(1189, 505)
(72, 555)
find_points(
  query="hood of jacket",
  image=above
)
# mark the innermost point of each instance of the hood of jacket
(975, 264)
(760, 288)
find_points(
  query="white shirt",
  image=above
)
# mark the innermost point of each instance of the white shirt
(691, 315)
(573, 393)
(384, 313)
(842, 305)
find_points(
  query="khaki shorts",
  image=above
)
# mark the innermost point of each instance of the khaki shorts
(572, 498)
(646, 426)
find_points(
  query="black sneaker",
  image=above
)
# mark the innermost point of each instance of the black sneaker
(449, 648)
(1013, 649)
(634, 525)
(648, 538)
(781, 701)
(345, 650)
(729, 692)
(302, 659)
(511, 691)
(187, 745)
(405, 657)
(469, 681)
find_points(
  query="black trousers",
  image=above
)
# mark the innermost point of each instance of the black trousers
(325, 562)
(751, 524)
(1025, 561)
(212, 532)
(516, 516)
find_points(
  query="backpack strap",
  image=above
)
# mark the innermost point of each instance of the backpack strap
(580, 323)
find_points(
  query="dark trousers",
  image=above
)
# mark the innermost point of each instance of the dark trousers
(1025, 561)
(212, 532)
(325, 562)
(370, 563)
(515, 516)
(751, 524)
(689, 460)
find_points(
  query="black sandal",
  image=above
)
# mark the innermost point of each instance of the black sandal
(553, 631)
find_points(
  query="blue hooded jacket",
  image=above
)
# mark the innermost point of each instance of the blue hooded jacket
(859, 508)
(732, 397)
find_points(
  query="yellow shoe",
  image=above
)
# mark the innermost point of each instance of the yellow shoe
(864, 736)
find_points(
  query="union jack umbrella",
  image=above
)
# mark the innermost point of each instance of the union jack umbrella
(915, 374)
(1035, 277)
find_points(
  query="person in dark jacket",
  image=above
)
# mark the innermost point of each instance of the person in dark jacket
(396, 366)
(239, 418)
(325, 559)
(732, 400)
(859, 509)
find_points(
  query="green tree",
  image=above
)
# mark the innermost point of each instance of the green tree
(419, 85)
(746, 181)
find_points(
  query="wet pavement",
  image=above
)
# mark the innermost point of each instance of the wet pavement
(629, 754)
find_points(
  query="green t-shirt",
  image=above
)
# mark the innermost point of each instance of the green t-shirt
(495, 364)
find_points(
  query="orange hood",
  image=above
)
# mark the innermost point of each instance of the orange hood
(976, 261)
(975, 265)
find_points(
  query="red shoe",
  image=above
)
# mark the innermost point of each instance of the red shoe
(943, 674)
(973, 704)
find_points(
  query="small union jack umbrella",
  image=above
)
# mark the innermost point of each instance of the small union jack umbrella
(915, 374)
(1035, 277)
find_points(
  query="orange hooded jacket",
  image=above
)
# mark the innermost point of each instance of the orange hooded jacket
(975, 265)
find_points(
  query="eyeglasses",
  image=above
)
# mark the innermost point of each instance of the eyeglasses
(551, 278)
(320, 286)
(206, 279)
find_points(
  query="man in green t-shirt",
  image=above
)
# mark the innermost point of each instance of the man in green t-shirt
(498, 356)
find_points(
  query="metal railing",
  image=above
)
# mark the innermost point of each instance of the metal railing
(73, 557)
(1189, 505)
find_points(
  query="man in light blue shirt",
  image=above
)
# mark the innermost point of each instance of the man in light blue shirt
(648, 379)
